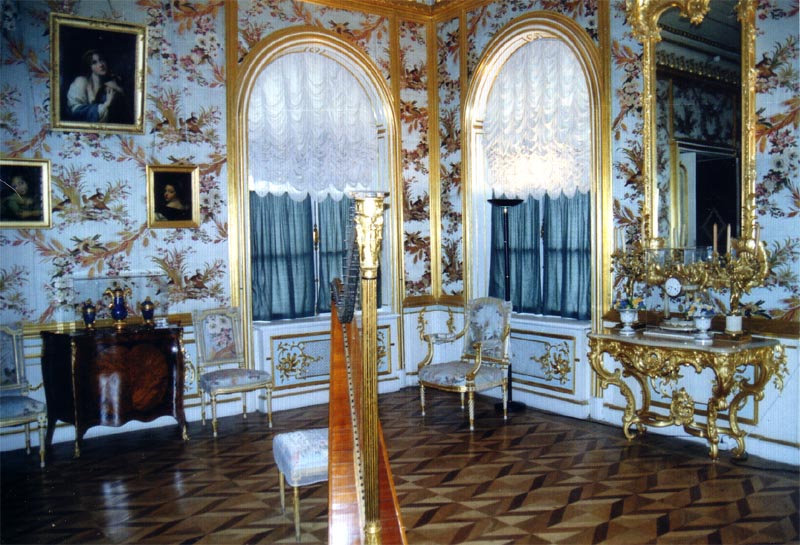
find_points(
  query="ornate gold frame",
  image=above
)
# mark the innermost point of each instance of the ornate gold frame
(164, 174)
(643, 17)
(74, 35)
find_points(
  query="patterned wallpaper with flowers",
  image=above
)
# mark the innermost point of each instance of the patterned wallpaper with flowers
(99, 221)
(98, 180)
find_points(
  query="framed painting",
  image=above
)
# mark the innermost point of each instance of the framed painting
(97, 79)
(173, 196)
(25, 194)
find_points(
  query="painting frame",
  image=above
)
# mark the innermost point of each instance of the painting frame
(173, 212)
(85, 96)
(13, 214)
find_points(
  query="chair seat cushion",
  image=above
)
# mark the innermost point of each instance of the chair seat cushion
(20, 406)
(227, 378)
(454, 374)
(302, 456)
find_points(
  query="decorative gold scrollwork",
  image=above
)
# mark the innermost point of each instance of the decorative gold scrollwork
(682, 407)
(293, 361)
(422, 323)
(555, 362)
(381, 348)
(451, 320)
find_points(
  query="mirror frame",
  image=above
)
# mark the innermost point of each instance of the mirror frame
(643, 16)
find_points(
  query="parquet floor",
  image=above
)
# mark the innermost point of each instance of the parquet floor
(539, 478)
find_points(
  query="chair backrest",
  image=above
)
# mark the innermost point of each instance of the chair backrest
(12, 361)
(488, 319)
(218, 336)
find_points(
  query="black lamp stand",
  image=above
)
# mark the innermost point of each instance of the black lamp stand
(513, 406)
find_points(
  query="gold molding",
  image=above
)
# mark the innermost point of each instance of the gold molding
(643, 16)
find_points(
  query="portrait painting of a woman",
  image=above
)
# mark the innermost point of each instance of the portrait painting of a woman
(173, 193)
(97, 83)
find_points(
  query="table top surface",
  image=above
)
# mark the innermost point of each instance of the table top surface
(685, 342)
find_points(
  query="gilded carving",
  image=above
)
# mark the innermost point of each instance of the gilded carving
(730, 386)
(555, 361)
(422, 324)
(682, 407)
(293, 360)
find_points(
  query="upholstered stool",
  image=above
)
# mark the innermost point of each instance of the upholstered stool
(302, 459)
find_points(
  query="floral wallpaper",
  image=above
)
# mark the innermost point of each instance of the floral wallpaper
(414, 121)
(99, 220)
(99, 196)
(778, 156)
(448, 69)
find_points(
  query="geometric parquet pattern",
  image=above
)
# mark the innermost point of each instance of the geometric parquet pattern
(538, 478)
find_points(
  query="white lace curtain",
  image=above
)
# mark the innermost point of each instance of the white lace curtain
(312, 130)
(537, 130)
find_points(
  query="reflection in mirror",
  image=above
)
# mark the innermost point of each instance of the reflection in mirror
(698, 138)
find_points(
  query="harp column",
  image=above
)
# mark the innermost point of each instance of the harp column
(369, 233)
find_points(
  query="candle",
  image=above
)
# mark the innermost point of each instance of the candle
(715, 238)
(624, 235)
(728, 240)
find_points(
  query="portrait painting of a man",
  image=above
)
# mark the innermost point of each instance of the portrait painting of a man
(24, 193)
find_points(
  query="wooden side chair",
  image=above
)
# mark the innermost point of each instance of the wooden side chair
(17, 408)
(221, 363)
(484, 356)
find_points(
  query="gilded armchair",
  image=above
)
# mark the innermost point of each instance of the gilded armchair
(484, 356)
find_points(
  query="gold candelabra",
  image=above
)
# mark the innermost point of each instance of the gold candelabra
(743, 266)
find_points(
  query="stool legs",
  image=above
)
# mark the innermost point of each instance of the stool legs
(283, 501)
(297, 512)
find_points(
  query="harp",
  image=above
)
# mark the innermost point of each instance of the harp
(362, 502)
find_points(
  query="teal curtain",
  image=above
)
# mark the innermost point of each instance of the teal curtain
(282, 257)
(558, 283)
(332, 217)
(524, 261)
(567, 256)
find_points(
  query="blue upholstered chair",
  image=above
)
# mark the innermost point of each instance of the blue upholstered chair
(484, 355)
(302, 459)
(16, 407)
(218, 336)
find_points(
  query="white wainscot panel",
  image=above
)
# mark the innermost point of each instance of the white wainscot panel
(550, 369)
(297, 353)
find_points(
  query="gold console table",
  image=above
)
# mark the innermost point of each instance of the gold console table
(649, 358)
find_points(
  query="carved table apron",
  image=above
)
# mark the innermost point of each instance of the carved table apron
(108, 378)
(646, 358)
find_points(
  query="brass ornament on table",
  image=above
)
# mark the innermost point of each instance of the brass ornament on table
(89, 314)
(148, 308)
(117, 305)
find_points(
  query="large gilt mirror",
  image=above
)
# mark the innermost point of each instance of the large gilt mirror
(699, 119)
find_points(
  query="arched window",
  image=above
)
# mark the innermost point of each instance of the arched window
(318, 126)
(532, 133)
